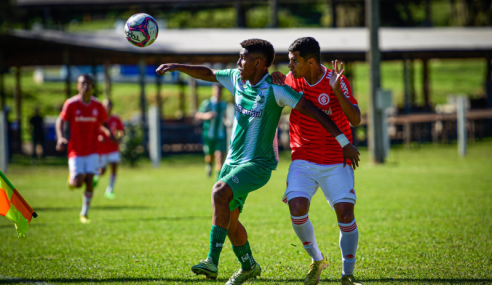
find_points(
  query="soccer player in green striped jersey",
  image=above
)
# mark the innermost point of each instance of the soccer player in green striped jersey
(251, 158)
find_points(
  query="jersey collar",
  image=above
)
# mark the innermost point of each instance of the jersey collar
(259, 82)
(324, 75)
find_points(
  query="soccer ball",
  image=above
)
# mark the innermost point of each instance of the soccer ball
(141, 30)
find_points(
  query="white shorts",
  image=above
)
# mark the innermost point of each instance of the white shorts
(86, 164)
(336, 181)
(107, 158)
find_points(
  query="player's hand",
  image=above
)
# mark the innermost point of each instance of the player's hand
(350, 152)
(336, 76)
(278, 78)
(61, 143)
(167, 67)
(212, 114)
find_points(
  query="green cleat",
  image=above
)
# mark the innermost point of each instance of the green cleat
(207, 268)
(110, 195)
(315, 269)
(240, 276)
(95, 180)
(349, 280)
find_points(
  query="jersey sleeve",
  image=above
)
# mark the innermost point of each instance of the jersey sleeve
(103, 116)
(227, 77)
(347, 90)
(204, 106)
(121, 126)
(285, 96)
(65, 113)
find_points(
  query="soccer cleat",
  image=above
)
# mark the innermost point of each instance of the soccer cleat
(241, 276)
(206, 267)
(349, 280)
(85, 220)
(208, 169)
(315, 269)
(110, 195)
(95, 180)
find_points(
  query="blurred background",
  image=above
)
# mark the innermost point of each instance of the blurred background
(432, 52)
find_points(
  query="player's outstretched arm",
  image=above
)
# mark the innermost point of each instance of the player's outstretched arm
(196, 71)
(350, 110)
(307, 108)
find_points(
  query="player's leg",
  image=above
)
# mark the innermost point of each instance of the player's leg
(219, 160)
(301, 187)
(113, 160)
(76, 172)
(337, 183)
(91, 163)
(239, 239)
(208, 152)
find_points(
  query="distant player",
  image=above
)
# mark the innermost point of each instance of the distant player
(213, 111)
(251, 157)
(317, 158)
(84, 114)
(109, 150)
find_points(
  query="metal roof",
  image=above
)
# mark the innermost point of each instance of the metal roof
(348, 43)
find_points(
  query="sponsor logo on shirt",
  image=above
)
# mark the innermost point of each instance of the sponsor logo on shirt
(323, 99)
(344, 88)
(328, 112)
(240, 109)
(85, 119)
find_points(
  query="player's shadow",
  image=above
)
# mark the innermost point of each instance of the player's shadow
(171, 219)
(111, 208)
(260, 280)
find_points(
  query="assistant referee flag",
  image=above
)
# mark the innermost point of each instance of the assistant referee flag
(14, 207)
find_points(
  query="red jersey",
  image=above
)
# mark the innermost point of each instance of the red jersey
(308, 139)
(106, 145)
(85, 120)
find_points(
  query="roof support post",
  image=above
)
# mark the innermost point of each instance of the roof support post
(273, 13)
(66, 62)
(407, 89)
(240, 14)
(107, 79)
(375, 126)
(143, 67)
(94, 74)
(334, 13)
(488, 80)
(425, 85)
(18, 103)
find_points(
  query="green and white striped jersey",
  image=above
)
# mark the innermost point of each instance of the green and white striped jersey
(257, 112)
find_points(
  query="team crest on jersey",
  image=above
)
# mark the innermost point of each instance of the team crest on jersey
(235, 179)
(77, 112)
(260, 99)
(323, 99)
(94, 112)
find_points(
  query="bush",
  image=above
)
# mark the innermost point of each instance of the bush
(131, 146)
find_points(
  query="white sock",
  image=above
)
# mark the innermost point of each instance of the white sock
(305, 231)
(349, 237)
(109, 189)
(86, 203)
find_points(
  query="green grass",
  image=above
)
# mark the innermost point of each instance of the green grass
(425, 217)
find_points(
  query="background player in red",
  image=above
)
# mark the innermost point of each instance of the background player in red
(84, 114)
(317, 158)
(109, 149)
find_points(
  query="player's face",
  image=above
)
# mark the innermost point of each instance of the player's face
(297, 65)
(84, 85)
(247, 64)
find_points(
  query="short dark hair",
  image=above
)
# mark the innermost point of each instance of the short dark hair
(307, 47)
(88, 77)
(260, 46)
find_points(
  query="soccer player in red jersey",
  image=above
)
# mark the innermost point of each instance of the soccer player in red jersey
(109, 149)
(317, 158)
(85, 114)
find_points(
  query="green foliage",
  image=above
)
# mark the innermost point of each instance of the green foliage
(423, 218)
(131, 147)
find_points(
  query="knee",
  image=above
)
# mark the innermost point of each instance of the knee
(299, 206)
(78, 181)
(346, 217)
(221, 193)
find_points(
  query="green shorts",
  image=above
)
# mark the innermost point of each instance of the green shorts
(212, 145)
(244, 179)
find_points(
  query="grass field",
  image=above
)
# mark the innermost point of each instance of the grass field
(425, 217)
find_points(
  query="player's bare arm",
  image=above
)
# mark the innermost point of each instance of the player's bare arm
(105, 128)
(307, 108)
(61, 142)
(196, 71)
(351, 111)
(205, 115)
(278, 78)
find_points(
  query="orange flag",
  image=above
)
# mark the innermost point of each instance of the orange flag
(14, 207)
